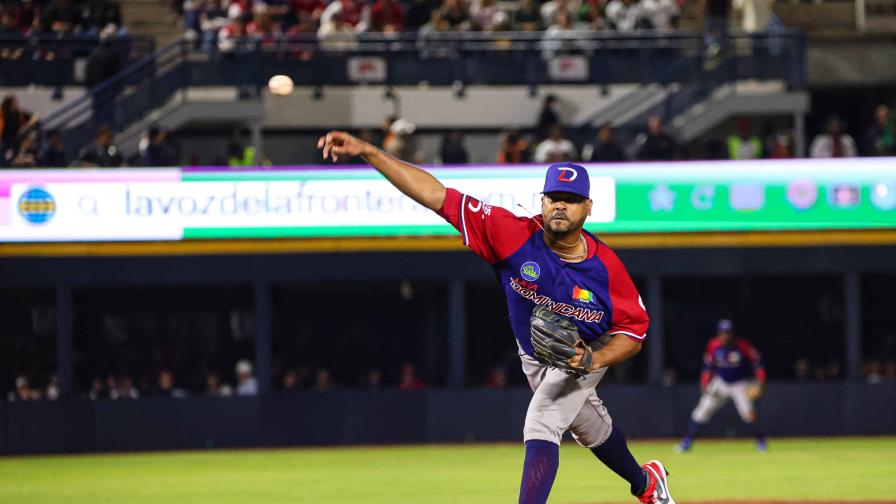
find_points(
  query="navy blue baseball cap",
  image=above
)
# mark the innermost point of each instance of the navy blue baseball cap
(725, 325)
(567, 177)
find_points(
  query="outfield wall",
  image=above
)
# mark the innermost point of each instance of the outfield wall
(392, 416)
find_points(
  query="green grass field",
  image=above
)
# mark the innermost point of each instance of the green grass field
(819, 469)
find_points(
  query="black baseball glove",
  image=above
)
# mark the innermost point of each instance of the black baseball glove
(555, 339)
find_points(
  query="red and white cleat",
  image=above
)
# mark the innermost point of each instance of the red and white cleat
(657, 485)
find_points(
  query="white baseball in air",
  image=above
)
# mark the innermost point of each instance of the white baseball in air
(280, 85)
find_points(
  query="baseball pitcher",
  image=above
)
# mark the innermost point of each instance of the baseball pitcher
(732, 369)
(573, 310)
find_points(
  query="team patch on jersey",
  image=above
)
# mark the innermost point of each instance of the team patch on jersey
(530, 270)
(583, 314)
(582, 295)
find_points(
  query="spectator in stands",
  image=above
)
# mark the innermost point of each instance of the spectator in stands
(110, 383)
(152, 148)
(452, 150)
(755, 15)
(880, 139)
(25, 155)
(744, 145)
(97, 389)
(355, 14)
(605, 149)
(419, 13)
(551, 8)
(514, 148)
(487, 14)
(409, 379)
(103, 153)
(527, 17)
(456, 15)
(212, 19)
(62, 17)
(14, 123)
(214, 387)
(291, 380)
(165, 385)
(591, 14)
(306, 10)
(670, 377)
(235, 36)
(661, 15)
(246, 384)
(8, 27)
(323, 380)
(626, 15)
(373, 380)
(192, 10)
(556, 37)
(336, 35)
(387, 16)
(102, 15)
(102, 64)
(874, 372)
(52, 153)
(239, 154)
(436, 24)
(51, 392)
(124, 388)
(26, 12)
(399, 142)
(38, 29)
(555, 147)
(497, 378)
(780, 145)
(656, 145)
(263, 27)
(23, 391)
(834, 142)
(547, 117)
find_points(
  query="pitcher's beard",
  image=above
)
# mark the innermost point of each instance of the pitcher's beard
(563, 232)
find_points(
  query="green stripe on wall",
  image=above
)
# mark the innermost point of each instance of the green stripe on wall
(318, 231)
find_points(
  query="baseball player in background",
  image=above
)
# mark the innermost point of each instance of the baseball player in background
(546, 262)
(732, 369)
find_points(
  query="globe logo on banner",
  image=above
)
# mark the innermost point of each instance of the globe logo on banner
(36, 205)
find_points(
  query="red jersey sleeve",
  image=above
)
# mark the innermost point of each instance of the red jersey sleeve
(754, 357)
(709, 364)
(493, 233)
(629, 314)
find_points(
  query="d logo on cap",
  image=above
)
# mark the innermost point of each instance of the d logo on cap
(567, 174)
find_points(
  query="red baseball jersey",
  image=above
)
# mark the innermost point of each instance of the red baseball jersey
(597, 293)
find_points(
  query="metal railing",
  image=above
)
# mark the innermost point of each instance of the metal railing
(438, 59)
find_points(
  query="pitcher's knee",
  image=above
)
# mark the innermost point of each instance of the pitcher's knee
(593, 436)
(538, 428)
